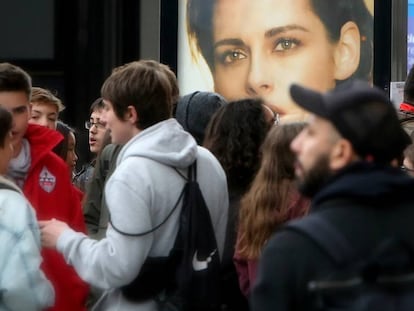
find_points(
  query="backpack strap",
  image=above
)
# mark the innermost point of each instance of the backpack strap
(192, 172)
(325, 235)
(155, 227)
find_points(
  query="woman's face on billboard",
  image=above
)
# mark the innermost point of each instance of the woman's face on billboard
(261, 47)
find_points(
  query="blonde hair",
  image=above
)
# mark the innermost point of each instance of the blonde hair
(40, 95)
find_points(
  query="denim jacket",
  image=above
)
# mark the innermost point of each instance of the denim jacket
(23, 286)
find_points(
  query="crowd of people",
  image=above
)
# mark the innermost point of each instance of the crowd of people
(74, 240)
(303, 165)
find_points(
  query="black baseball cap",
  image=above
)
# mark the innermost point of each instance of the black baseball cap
(362, 114)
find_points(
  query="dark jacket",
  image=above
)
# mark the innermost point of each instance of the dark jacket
(83, 178)
(232, 297)
(366, 203)
(95, 210)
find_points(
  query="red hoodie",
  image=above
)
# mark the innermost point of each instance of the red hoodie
(49, 190)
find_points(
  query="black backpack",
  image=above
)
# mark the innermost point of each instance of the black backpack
(383, 282)
(189, 278)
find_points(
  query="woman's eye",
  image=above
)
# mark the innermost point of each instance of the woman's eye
(229, 57)
(286, 44)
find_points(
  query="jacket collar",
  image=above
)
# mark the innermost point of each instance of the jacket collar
(42, 140)
(368, 182)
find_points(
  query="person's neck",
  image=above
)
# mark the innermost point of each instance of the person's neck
(17, 149)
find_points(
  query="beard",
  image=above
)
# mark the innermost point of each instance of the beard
(315, 178)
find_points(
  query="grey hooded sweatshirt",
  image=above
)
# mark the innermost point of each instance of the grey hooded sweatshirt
(141, 192)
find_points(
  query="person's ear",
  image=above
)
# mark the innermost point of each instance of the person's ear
(348, 51)
(342, 154)
(131, 115)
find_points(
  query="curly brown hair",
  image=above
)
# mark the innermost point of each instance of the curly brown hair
(234, 135)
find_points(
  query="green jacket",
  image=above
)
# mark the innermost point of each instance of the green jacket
(94, 209)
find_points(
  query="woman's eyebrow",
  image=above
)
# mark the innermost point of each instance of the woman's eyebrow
(268, 34)
(229, 41)
(278, 30)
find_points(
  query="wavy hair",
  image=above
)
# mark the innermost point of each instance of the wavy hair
(234, 135)
(266, 205)
(41, 95)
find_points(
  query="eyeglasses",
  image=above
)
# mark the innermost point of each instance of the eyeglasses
(276, 119)
(404, 168)
(89, 124)
(275, 116)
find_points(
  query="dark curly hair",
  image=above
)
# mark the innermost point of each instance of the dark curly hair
(61, 149)
(234, 135)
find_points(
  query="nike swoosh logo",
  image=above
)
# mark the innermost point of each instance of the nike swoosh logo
(199, 265)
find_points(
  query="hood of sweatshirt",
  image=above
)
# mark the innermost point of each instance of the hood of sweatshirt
(165, 142)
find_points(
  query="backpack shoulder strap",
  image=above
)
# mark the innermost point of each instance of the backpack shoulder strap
(191, 169)
(192, 172)
(325, 235)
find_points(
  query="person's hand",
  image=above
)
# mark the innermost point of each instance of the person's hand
(50, 231)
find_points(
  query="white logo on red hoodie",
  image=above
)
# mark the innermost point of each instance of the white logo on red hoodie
(47, 181)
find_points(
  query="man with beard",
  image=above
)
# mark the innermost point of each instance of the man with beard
(344, 164)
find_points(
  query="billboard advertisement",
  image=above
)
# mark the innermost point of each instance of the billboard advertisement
(410, 35)
(245, 48)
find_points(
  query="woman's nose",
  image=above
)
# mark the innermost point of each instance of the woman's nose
(260, 77)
